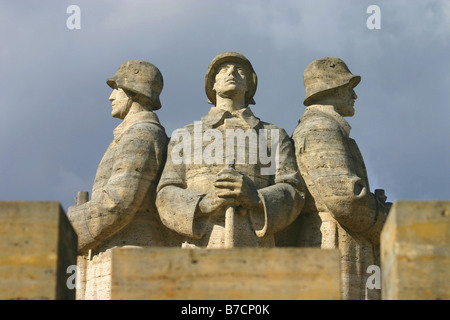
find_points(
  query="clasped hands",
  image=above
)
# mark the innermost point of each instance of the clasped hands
(231, 188)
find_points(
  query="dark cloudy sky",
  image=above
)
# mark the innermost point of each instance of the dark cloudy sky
(56, 118)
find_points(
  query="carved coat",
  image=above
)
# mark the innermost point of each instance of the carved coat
(122, 210)
(346, 214)
(183, 185)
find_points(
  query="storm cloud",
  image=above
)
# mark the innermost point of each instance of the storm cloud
(56, 118)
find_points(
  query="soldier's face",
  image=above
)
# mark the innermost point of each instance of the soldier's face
(119, 101)
(345, 100)
(231, 79)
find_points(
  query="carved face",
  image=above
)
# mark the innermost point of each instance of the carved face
(231, 80)
(119, 101)
(345, 97)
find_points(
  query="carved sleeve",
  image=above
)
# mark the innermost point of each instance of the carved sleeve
(327, 162)
(177, 205)
(284, 200)
(138, 158)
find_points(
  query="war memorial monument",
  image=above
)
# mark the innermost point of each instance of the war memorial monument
(230, 207)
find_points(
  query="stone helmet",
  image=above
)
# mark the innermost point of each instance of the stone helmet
(213, 68)
(324, 74)
(140, 77)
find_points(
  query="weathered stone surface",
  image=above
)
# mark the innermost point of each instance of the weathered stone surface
(202, 196)
(122, 210)
(234, 274)
(95, 276)
(415, 251)
(37, 245)
(340, 211)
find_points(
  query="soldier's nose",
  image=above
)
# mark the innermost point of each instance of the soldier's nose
(232, 70)
(113, 95)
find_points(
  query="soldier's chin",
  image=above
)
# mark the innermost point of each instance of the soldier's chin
(228, 89)
(350, 111)
(116, 114)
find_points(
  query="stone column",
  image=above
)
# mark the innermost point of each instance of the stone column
(37, 246)
(415, 251)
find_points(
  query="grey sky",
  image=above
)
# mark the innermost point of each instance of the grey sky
(56, 118)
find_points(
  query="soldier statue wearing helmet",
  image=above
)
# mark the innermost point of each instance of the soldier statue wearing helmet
(326, 74)
(343, 213)
(122, 210)
(139, 79)
(216, 205)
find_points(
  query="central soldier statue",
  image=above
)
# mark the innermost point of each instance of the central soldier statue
(218, 205)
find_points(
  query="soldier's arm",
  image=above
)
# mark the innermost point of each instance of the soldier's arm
(178, 207)
(139, 158)
(284, 200)
(326, 165)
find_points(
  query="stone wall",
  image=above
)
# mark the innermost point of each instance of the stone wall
(230, 274)
(415, 251)
(38, 245)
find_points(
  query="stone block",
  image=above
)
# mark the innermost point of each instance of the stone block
(232, 274)
(415, 251)
(95, 276)
(37, 245)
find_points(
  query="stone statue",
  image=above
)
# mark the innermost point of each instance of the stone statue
(222, 195)
(344, 214)
(122, 210)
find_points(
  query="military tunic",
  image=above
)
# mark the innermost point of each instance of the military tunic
(345, 214)
(183, 185)
(122, 210)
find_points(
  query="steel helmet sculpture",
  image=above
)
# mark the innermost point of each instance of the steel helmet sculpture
(326, 74)
(212, 71)
(139, 77)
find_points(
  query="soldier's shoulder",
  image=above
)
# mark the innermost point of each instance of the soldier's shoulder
(188, 127)
(146, 126)
(314, 118)
(271, 126)
(146, 130)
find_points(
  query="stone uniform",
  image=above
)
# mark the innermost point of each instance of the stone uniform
(182, 186)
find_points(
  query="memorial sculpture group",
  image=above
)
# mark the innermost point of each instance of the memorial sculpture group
(231, 179)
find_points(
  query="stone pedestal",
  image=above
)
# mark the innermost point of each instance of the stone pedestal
(37, 245)
(232, 274)
(95, 276)
(415, 251)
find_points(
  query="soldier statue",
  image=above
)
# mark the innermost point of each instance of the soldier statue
(344, 213)
(122, 210)
(223, 201)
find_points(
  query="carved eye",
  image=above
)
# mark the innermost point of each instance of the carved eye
(223, 69)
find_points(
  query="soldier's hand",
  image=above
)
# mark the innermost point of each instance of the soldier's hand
(231, 184)
(211, 203)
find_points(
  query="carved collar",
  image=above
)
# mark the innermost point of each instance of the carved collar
(329, 110)
(131, 119)
(216, 117)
